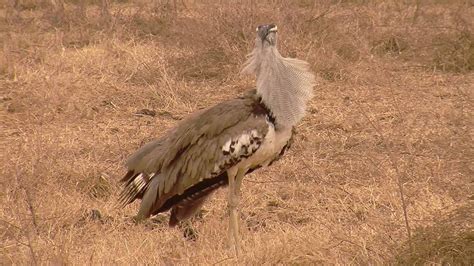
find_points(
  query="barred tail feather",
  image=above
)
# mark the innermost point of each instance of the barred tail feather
(135, 186)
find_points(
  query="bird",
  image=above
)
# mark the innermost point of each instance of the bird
(218, 146)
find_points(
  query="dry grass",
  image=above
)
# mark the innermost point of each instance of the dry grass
(393, 109)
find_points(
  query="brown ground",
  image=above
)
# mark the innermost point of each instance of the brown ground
(392, 113)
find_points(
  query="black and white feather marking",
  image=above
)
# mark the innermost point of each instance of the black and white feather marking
(135, 187)
(201, 189)
(237, 149)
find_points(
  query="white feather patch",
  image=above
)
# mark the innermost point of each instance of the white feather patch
(139, 182)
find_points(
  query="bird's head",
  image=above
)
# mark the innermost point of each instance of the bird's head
(267, 35)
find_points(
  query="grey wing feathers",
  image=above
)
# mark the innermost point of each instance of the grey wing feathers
(202, 146)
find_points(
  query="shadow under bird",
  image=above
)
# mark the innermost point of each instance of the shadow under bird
(218, 146)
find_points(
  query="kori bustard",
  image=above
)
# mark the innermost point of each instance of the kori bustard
(220, 145)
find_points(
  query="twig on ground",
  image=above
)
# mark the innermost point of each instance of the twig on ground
(397, 171)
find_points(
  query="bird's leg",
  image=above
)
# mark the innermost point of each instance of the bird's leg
(233, 218)
(238, 182)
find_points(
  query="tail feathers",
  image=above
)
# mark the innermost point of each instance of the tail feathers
(149, 199)
(135, 187)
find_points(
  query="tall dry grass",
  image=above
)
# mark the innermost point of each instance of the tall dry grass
(83, 86)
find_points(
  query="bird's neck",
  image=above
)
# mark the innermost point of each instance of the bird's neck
(285, 85)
